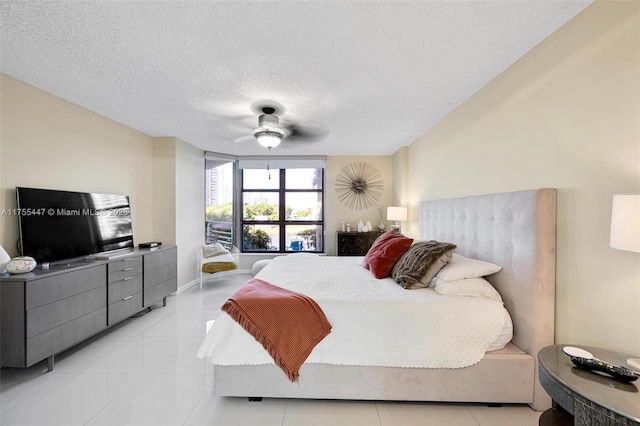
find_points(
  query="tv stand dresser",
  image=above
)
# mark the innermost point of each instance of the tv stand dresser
(47, 311)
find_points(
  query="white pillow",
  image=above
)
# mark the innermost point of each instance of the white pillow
(212, 250)
(461, 267)
(477, 287)
(220, 259)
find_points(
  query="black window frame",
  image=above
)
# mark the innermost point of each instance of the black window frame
(282, 222)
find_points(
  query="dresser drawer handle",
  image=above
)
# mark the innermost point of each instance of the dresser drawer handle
(127, 260)
(127, 279)
(127, 269)
(127, 298)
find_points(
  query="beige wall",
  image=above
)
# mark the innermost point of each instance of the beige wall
(400, 181)
(336, 212)
(164, 190)
(47, 142)
(567, 116)
(189, 209)
(179, 202)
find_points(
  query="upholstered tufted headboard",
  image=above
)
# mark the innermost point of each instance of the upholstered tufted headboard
(516, 230)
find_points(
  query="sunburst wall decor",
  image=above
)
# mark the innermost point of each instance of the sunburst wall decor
(359, 185)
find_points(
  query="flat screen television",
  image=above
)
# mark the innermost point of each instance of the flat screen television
(56, 225)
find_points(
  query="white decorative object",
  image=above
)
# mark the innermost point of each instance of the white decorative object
(348, 227)
(369, 226)
(360, 225)
(21, 265)
(365, 229)
(359, 185)
(344, 226)
(4, 258)
(381, 225)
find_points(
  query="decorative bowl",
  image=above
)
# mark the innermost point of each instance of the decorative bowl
(21, 265)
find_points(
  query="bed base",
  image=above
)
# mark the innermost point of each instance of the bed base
(504, 376)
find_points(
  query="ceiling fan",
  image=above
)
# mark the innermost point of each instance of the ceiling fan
(271, 131)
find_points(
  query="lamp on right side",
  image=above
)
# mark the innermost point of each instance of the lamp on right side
(398, 214)
(625, 222)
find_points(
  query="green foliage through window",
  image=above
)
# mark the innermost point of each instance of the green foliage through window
(268, 210)
(220, 213)
(255, 239)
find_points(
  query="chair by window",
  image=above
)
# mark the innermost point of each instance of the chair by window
(215, 264)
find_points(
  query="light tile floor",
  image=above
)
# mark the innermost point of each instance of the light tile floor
(144, 372)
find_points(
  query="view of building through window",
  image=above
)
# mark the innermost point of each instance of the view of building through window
(283, 212)
(219, 202)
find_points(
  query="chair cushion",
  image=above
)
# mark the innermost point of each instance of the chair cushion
(213, 267)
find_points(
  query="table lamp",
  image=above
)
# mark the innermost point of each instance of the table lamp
(625, 222)
(398, 214)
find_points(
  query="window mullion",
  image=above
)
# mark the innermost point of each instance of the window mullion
(281, 216)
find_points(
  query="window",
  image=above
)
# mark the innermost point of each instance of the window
(219, 201)
(282, 210)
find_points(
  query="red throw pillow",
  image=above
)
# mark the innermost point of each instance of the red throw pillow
(385, 252)
(376, 244)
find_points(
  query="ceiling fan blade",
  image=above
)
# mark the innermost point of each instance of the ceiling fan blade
(306, 133)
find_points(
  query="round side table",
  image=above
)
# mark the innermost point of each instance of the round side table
(590, 398)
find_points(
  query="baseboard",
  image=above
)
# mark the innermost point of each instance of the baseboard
(187, 286)
(192, 283)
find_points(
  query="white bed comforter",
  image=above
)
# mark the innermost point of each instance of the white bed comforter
(375, 322)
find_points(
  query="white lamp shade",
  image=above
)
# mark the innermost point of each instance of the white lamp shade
(397, 213)
(268, 139)
(4, 258)
(625, 222)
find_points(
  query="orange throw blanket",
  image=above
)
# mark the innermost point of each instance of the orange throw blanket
(287, 324)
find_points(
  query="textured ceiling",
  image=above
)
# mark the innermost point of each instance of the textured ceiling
(371, 76)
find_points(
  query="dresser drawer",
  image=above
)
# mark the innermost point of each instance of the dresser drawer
(120, 265)
(54, 314)
(160, 258)
(127, 272)
(124, 308)
(125, 287)
(355, 243)
(57, 339)
(161, 274)
(56, 287)
(158, 292)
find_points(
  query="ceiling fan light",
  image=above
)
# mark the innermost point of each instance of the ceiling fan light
(268, 138)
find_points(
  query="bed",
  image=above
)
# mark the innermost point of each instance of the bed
(514, 230)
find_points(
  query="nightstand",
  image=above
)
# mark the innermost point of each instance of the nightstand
(355, 243)
(585, 398)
